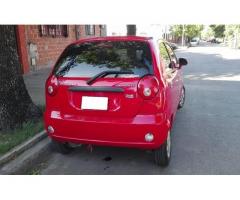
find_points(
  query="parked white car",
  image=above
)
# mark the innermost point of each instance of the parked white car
(194, 42)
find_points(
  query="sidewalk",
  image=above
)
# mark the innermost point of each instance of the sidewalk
(35, 83)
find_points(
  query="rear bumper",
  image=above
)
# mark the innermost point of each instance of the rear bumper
(122, 132)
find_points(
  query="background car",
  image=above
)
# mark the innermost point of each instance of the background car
(173, 45)
(194, 42)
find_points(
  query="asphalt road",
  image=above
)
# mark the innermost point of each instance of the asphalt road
(206, 132)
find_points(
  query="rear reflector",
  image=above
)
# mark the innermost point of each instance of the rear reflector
(149, 137)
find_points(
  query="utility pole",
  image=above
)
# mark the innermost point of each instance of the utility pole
(183, 38)
(165, 32)
(131, 29)
(235, 46)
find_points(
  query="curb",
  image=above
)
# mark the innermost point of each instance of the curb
(21, 148)
(182, 48)
(28, 160)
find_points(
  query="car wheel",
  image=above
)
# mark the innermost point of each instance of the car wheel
(63, 148)
(163, 154)
(182, 98)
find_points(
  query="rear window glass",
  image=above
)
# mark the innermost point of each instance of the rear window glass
(90, 58)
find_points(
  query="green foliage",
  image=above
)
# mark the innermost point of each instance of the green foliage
(207, 33)
(231, 29)
(176, 30)
(232, 35)
(218, 30)
(190, 31)
(34, 172)
(10, 139)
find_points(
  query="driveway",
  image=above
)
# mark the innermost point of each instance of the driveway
(206, 137)
(35, 83)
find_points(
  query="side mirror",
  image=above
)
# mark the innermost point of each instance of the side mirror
(182, 61)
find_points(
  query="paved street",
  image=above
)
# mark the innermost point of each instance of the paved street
(206, 137)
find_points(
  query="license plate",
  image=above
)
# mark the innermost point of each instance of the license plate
(94, 103)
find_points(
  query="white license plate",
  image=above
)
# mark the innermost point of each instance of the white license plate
(94, 103)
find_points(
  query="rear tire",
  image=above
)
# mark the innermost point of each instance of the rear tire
(182, 98)
(63, 148)
(163, 154)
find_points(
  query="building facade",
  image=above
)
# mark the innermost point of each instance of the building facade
(40, 45)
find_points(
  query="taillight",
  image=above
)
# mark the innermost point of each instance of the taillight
(148, 87)
(52, 85)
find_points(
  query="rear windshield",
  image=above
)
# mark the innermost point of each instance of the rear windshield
(90, 58)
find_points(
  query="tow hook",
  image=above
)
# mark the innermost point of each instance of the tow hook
(90, 148)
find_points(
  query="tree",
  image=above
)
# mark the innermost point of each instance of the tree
(190, 31)
(232, 35)
(16, 106)
(131, 29)
(218, 30)
(231, 29)
(207, 33)
(176, 30)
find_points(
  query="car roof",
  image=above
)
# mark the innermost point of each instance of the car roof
(113, 38)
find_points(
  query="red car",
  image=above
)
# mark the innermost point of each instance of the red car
(115, 91)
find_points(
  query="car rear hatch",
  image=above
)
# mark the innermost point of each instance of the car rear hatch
(86, 91)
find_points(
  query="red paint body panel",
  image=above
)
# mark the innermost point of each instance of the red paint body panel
(127, 120)
(127, 132)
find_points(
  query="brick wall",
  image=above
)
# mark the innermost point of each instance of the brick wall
(49, 48)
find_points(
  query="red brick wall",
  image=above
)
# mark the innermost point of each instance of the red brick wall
(49, 48)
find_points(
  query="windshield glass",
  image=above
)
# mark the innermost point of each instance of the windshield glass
(90, 58)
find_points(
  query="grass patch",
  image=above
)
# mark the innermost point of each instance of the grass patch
(42, 107)
(34, 172)
(12, 138)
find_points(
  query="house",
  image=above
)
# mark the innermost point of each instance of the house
(40, 45)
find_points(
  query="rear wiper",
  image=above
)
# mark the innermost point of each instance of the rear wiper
(105, 73)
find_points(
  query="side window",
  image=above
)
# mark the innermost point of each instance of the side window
(53, 30)
(164, 55)
(171, 53)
